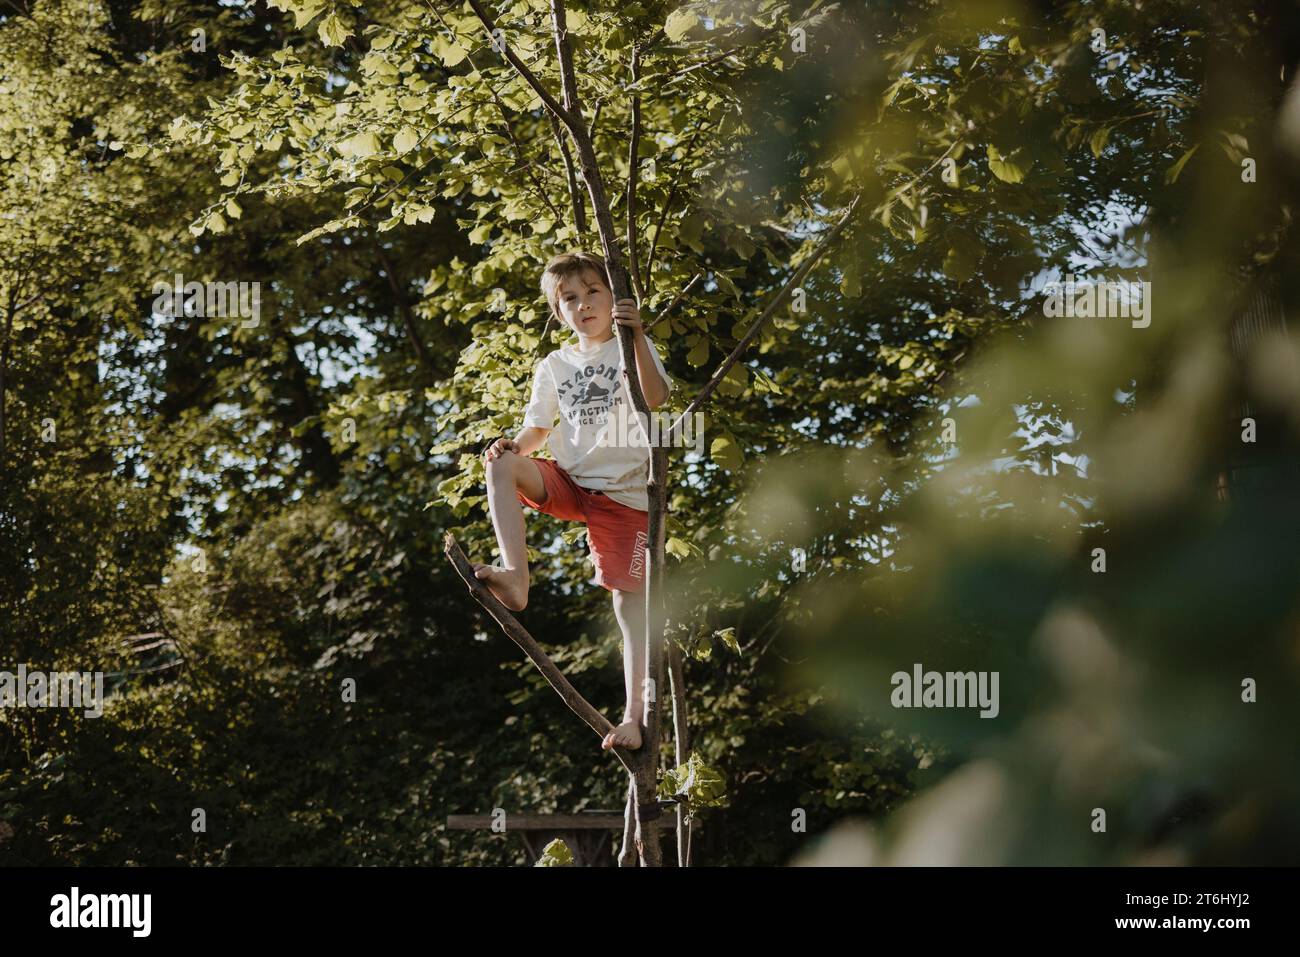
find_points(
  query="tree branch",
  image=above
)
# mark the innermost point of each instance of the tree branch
(676, 299)
(795, 278)
(528, 644)
(681, 746)
(672, 194)
(627, 856)
(575, 195)
(520, 67)
(642, 765)
(633, 164)
(404, 306)
(644, 768)
(538, 187)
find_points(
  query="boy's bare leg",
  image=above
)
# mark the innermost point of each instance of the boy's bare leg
(506, 473)
(629, 609)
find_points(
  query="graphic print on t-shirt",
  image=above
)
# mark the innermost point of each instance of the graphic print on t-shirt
(585, 396)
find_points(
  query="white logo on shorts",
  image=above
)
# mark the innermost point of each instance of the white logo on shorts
(638, 555)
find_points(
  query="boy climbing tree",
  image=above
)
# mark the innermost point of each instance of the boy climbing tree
(620, 275)
(594, 478)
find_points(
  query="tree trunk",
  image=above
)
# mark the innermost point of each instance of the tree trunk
(4, 366)
(681, 746)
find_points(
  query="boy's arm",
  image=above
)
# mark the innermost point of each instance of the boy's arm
(539, 416)
(652, 383)
(530, 439)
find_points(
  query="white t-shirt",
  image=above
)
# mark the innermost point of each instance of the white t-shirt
(583, 388)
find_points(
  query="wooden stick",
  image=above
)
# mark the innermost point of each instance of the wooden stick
(681, 746)
(528, 644)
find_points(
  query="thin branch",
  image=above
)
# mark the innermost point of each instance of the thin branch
(900, 190)
(404, 306)
(575, 194)
(676, 299)
(595, 118)
(633, 163)
(645, 806)
(541, 340)
(627, 856)
(568, 81)
(681, 745)
(672, 194)
(528, 644)
(510, 130)
(641, 767)
(661, 81)
(520, 67)
(703, 63)
(27, 302)
(795, 278)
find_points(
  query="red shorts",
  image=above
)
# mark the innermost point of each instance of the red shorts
(616, 532)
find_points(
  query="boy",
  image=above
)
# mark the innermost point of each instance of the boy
(593, 478)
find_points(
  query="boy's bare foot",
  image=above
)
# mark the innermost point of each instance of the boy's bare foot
(510, 585)
(626, 735)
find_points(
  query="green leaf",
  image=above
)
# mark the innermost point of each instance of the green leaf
(555, 854)
(891, 91)
(1010, 168)
(696, 783)
(700, 354)
(728, 637)
(726, 452)
(1172, 174)
(303, 12)
(960, 262)
(677, 548)
(575, 20)
(450, 52)
(702, 650)
(405, 140)
(735, 381)
(680, 23)
(724, 282)
(851, 280)
(333, 31)
(1098, 141)
(764, 383)
(363, 144)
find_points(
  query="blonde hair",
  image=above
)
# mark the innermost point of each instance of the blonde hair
(569, 264)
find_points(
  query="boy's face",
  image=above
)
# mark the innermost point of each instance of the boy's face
(586, 304)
